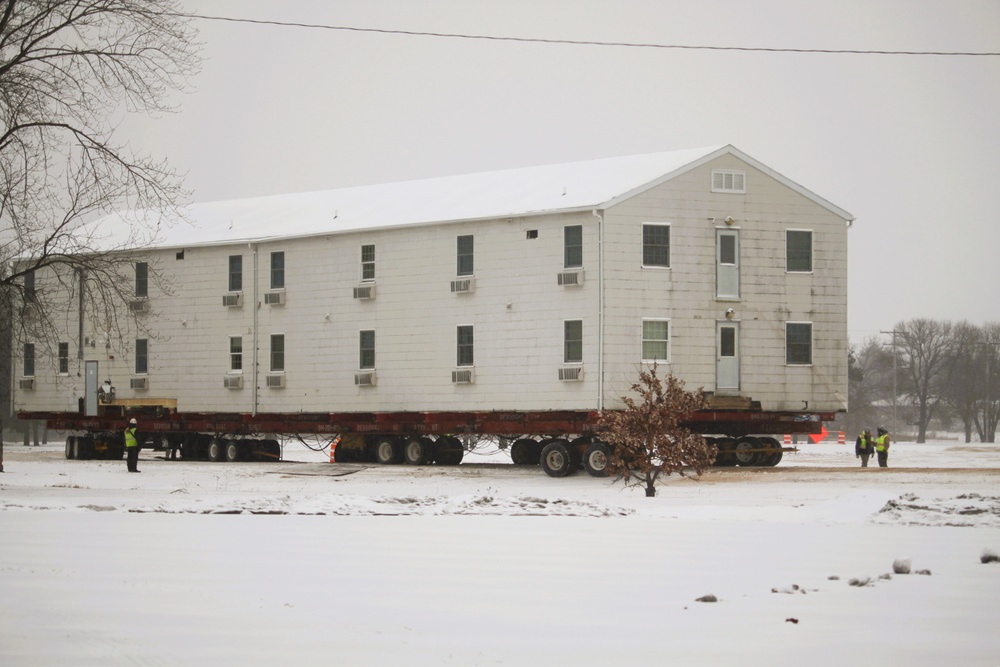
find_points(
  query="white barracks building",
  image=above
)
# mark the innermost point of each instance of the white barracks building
(545, 288)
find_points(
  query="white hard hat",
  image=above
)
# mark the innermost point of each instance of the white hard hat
(132, 422)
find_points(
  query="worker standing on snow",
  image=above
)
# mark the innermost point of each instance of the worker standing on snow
(863, 447)
(132, 446)
(882, 447)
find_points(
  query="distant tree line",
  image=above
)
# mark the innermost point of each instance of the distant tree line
(927, 370)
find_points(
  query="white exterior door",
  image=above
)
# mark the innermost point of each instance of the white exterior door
(727, 262)
(727, 341)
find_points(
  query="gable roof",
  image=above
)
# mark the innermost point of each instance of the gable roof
(587, 185)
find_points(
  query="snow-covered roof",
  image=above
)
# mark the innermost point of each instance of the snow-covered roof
(591, 184)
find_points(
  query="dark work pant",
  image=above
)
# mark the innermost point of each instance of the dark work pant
(883, 459)
(132, 458)
(864, 458)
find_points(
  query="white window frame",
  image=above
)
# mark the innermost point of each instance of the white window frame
(63, 358)
(459, 346)
(812, 250)
(670, 234)
(566, 263)
(234, 355)
(361, 254)
(270, 354)
(565, 339)
(361, 350)
(812, 348)
(273, 284)
(145, 357)
(732, 175)
(141, 280)
(643, 339)
(471, 255)
(25, 357)
(230, 274)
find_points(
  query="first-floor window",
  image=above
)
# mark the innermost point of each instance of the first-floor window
(278, 352)
(466, 342)
(367, 350)
(64, 358)
(29, 360)
(141, 356)
(655, 340)
(573, 341)
(236, 353)
(798, 343)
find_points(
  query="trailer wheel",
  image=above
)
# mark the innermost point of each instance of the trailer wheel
(215, 450)
(726, 457)
(417, 451)
(523, 453)
(388, 451)
(71, 447)
(746, 451)
(450, 451)
(233, 450)
(595, 459)
(774, 458)
(556, 460)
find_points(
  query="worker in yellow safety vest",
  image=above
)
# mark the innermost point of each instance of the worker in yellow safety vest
(864, 446)
(882, 447)
(132, 447)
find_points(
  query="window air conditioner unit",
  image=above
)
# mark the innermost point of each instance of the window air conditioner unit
(365, 379)
(274, 298)
(138, 383)
(571, 278)
(233, 382)
(275, 381)
(364, 292)
(232, 300)
(463, 376)
(463, 286)
(571, 374)
(139, 305)
(27, 383)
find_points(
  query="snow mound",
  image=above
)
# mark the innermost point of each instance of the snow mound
(966, 510)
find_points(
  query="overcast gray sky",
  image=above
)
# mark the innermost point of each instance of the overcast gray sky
(909, 144)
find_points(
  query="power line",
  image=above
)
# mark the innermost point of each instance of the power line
(575, 42)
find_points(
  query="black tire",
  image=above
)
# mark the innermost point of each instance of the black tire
(450, 451)
(725, 458)
(83, 448)
(747, 451)
(417, 451)
(70, 447)
(216, 450)
(556, 459)
(774, 458)
(233, 450)
(524, 452)
(595, 459)
(388, 451)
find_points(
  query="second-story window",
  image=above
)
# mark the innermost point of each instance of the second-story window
(368, 263)
(466, 257)
(277, 270)
(29, 287)
(798, 250)
(655, 245)
(573, 246)
(141, 279)
(236, 273)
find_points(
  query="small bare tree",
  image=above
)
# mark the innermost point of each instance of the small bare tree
(926, 347)
(648, 437)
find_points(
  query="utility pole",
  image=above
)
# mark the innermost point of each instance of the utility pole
(894, 376)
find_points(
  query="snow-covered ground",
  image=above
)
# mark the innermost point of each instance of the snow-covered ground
(304, 562)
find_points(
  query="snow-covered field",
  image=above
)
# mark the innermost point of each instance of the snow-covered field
(306, 563)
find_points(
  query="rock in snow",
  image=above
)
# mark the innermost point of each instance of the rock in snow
(707, 598)
(989, 556)
(901, 566)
